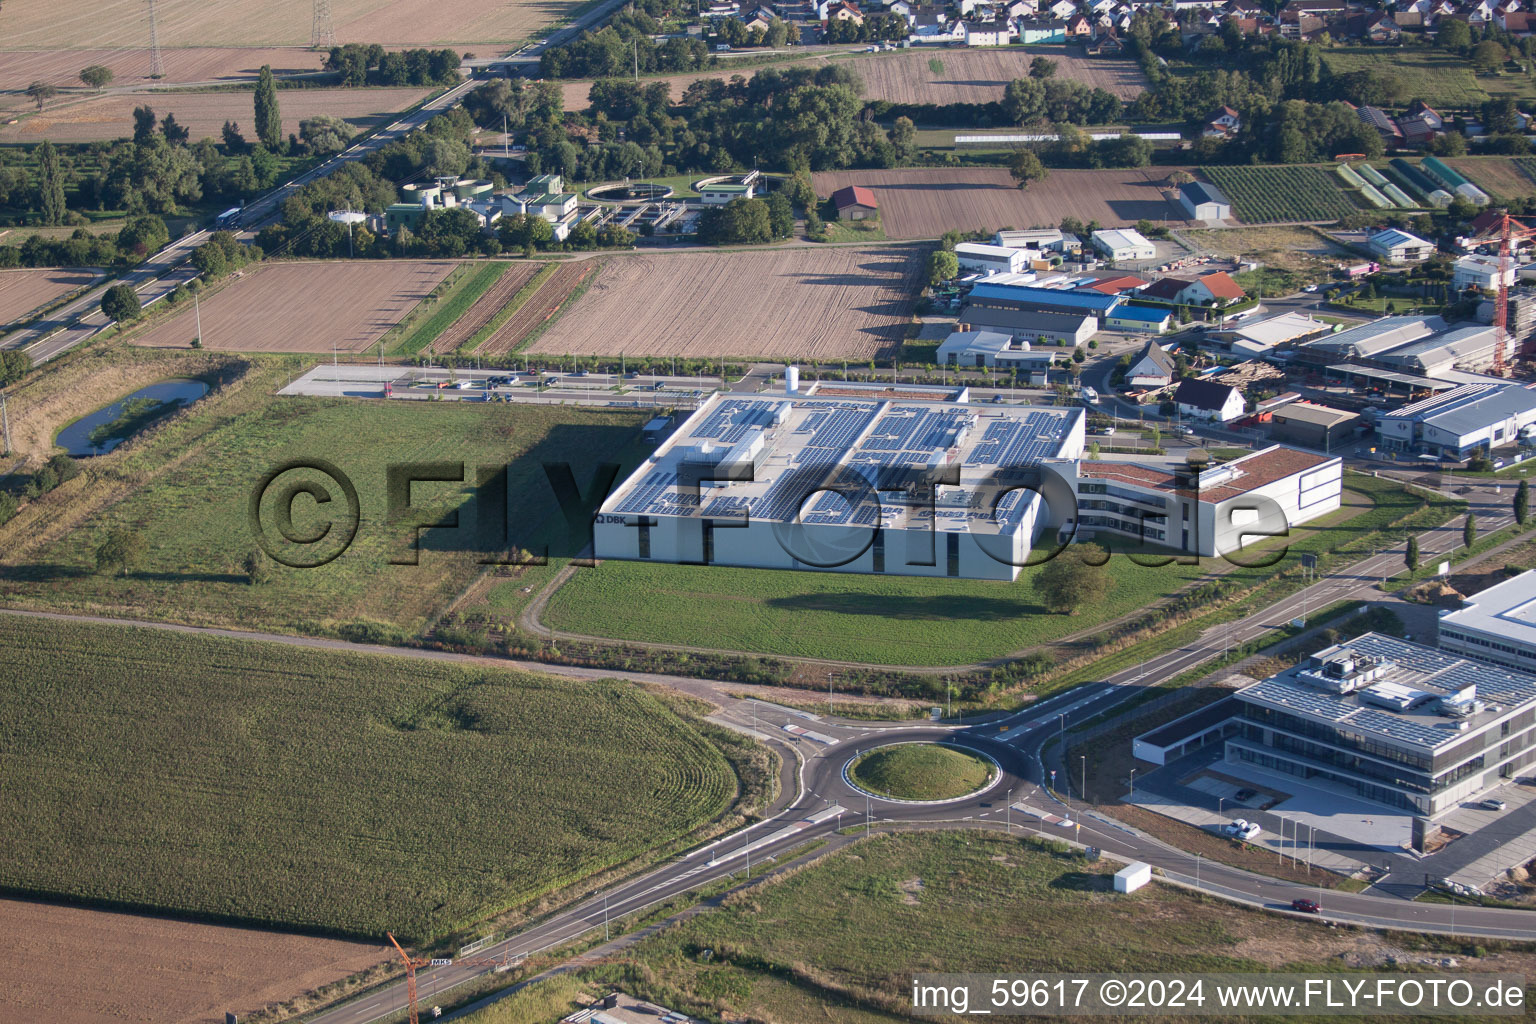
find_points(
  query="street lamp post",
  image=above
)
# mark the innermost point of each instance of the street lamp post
(1133, 783)
(1197, 870)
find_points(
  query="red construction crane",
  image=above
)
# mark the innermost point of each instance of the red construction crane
(1508, 228)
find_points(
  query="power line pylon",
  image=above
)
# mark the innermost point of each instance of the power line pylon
(156, 69)
(322, 34)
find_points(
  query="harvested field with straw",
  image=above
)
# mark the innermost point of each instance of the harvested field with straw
(305, 307)
(82, 23)
(61, 68)
(204, 113)
(136, 968)
(926, 202)
(796, 303)
(22, 291)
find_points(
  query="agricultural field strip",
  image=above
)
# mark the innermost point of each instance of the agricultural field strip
(829, 303)
(546, 300)
(305, 307)
(22, 291)
(1267, 195)
(511, 281)
(926, 202)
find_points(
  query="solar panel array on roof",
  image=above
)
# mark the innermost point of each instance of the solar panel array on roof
(639, 500)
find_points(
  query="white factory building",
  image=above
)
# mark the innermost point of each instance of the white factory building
(1461, 421)
(1497, 624)
(1124, 245)
(991, 258)
(916, 481)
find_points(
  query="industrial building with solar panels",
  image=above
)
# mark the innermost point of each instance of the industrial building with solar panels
(917, 481)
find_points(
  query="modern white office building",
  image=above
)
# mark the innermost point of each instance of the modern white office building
(846, 479)
(1497, 624)
(1398, 723)
(1217, 511)
(916, 481)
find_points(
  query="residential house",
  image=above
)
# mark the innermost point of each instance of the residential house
(1152, 369)
(1223, 123)
(985, 33)
(1380, 120)
(1381, 28)
(1216, 287)
(1079, 27)
(1106, 44)
(1208, 400)
(844, 11)
(1061, 10)
(1030, 31)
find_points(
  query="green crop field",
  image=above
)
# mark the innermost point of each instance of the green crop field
(839, 942)
(348, 792)
(1440, 79)
(1266, 194)
(186, 492)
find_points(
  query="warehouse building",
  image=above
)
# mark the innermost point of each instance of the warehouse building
(1393, 245)
(1482, 272)
(1138, 318)
(1497, 624)
(1395, 722)
(995, 349)
(1312, 426)
(1048, 239)
(991, 259)
(1464, 420)
(1467, 347)
(1255, 337)
(990, 295)
(1124, 245)
(1204, 202)
(1030, 326)
(1372, 339)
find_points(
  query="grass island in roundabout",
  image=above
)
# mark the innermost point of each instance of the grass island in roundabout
(922, 772)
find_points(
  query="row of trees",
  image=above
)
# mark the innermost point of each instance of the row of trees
(369, 64)
(139, 237)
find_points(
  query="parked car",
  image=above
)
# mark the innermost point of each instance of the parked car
(1186, 431)
(1242, 828)
(1306, 907)
(1310, 288)
(1245, 794)
(1494, 805)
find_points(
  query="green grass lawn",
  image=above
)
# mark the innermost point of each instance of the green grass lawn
(186, 487)
(920, 771)
(888, 620)
(324, 789)
(840, 941)
(909, 620)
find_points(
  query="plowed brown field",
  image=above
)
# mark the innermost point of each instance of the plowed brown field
(928, 201)
(204, 113)
(70, 965)
(90, 23)
(796, 303)
(305, 307)
(545, 301)
(485, 307)
(968, 76)
(61, 68)
(22, 291)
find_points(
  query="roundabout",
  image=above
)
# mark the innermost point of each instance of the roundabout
(922, 771)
